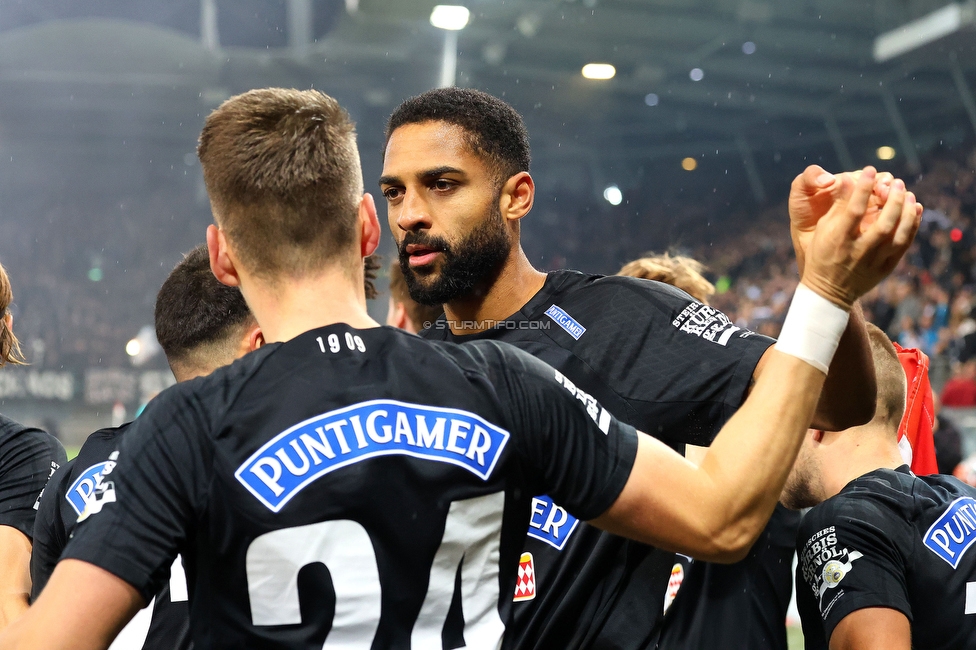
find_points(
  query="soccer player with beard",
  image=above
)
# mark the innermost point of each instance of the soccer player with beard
(350, 485)
(201, 325)
(885, 557)
(456, 180)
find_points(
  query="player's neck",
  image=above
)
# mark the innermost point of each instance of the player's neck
(294, 306)
(865, 453)
(516, 284)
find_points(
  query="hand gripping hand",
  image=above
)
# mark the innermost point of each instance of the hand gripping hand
(860, 238)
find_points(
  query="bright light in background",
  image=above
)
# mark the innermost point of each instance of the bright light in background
(133, 347)
(613, 195)
(885, 153)
(696, 74)
(95, 274)
(452, 17)
(599, 71)
(748, 47)
(651, 99)
(689, 164)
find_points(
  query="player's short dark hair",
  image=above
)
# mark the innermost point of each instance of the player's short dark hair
(284, 178)
(198, 319)
(418, 314)
(495, 129)
(892, 383)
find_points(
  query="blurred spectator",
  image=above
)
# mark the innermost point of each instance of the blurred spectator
(960, 390)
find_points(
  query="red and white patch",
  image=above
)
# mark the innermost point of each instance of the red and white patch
(525, 586)
(674, 584)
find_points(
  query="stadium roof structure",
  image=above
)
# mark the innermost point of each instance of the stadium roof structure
(750, 82)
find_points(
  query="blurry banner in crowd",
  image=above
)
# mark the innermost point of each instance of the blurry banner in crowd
(915, 433)
(93, 386)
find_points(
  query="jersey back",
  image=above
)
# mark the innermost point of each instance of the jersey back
(352, 488)
(894, 540)
(656, 359)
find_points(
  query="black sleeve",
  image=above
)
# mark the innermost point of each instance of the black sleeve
(683, 367)
(581, 455)
(27, 460)
(139, 520)
(49, 533)
(852, 555)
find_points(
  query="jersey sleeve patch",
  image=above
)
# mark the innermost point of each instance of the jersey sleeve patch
(954, 532)
(83, 490)
(708, 323)
(298, 456)
(824, 566)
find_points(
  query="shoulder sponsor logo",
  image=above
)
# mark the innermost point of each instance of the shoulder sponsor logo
(566, 321)
(296, 457)
(954, 532)
(824, 565)
(551, 523)
(706, 322)
(86, 486)
(525, 585)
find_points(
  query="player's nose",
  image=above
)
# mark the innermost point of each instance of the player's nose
(414, 213)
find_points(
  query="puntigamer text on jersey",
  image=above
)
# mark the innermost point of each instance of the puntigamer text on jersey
(310, 449)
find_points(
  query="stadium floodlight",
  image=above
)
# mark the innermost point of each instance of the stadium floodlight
(696, 74)
(133, 347)
(689, 164)
(599, 71)
(450, 17)
(613, 195)
(885, 153)
(922, 31)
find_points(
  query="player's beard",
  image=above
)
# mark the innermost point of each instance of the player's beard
(804, 487)
(467, 266)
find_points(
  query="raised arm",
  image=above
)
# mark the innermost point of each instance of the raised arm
(848, 395)
(715, 511)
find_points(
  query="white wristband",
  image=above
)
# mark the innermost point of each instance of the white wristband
(812, 329)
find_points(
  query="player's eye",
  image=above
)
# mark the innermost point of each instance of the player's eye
(442, 185)
(392, 193)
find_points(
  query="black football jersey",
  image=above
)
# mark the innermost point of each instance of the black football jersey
(656, 359)
(164, 623)
(895, 540)
(352, 488)
(739, 606)
(28, 458)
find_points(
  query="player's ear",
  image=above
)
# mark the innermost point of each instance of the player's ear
(817, 435)
(517, 196)
(221, 263)
(369, 224)
(255, 338)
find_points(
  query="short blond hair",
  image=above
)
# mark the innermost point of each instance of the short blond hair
(679, 271)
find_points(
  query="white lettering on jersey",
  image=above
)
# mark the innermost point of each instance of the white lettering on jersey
(274, 560)
(706, 322)
(970, 598)
(296, 457)
(599, 414)
(472, 538)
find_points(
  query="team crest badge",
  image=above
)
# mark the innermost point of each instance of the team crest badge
(525, 587)
(677, 577)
